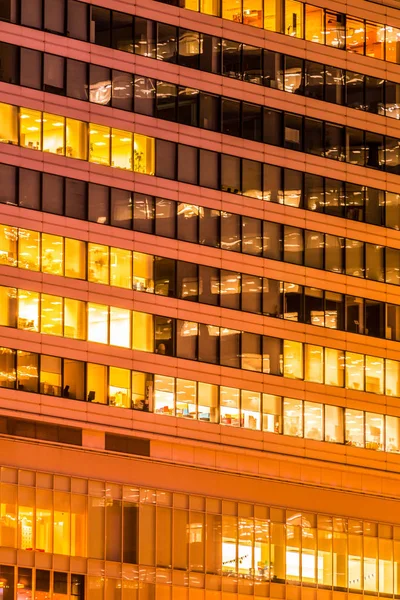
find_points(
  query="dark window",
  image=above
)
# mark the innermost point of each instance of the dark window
(355, 90)
(122, 31)
(75, 198)
(271, 297)
(208, 343)
(314, 137)
(272, 240)
(252, 64)
(189, 48)
(53, 194)
(293, 136)
(186, 339)
(209, 286)
(145, 44)
(393, 322)
(165, 217)
(375, 206)
(209, 111)
(374, 95)
(314, 249)
(252, 121)
(98, 203)
(122, 90)
(272, 351)
(53, 74)
(355, 146)
(314, 80)
(334, 141)
(164, 276)
(230, 232)
(9, 56)
(165, 159)
(8, 188)
(230, 289)
(145, 93)
(130, 532)
(127, 444)
(354, 202)
(143, 213)
(374, 149)
(374, 262)
(99, 85)
(77, 24)
(164, 335)
(334, 85)
(60, 583)
(188, 222)
(354, 314)
(210, 53)
(293, 79)
(293, 187)
(166, 42)
(166, 101)
(334, 197)
(29, 189)
(209, 225)
(31, 69)
(230, 348)
(7, 577)
(334, 253)
(77, 79)
(392, 155)
(375, 318)
(188, 164)
(252, 236)
(273, 185)
(293, 245)
(209, 169)
(252, 178)
(272, 127)
(314, 306)
(392, 266)
(231, 119)
(251, 352)
(188, 104)
(252, 288)
(231, 59)
(187, 281)
(314, 197)
(54, 14)
(8, 12)
(273, 69)
(292, 302)
(101, 21)
(230, 174)
(31, 13)
(121, 208)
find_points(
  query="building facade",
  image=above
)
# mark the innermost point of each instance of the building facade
(199, 299)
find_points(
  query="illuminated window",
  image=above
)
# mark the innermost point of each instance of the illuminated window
(392, 377)
(315, 30)
(192, 5)
(99, 144)
(294, 18)
(30, 128)
(97, 323)
(392, 44)
(77, 139)
(96, 383)
(293, 359)
(185, 403)
(314, 363)
(8, 124)
(28, 310)
(8, 515)
(313, 422)
(7, 371)
(210, 7)
(62, 523)
(229, 544)
(246, 550)
(292, 417)
(53, 134)
(374, 374)
(253, 12)
(144, 156)
(334, 367)
(75, 258)
(142, 391)
(334, 431)
(229, 401)
(251, 410)
(98, 263)
(143, 272)
(52, 254)
(273, 15)
(272, 413)
(26, 504)
(354, 427)
(74, 319)
(28, 250)
(121, 149)
(120, 327)
(8, 306)
(164, 393)
(142, 332)
(207, 401)
(355, 34)
(232, 10)
(335, 34)
(392, 434)
(50, 375)
(120, 387)
(121, 268)
(51, 315)
(354, 371)
(375, 40)
(8, 245)
(374, 431)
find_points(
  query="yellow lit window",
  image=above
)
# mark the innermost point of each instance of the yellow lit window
(142, 332)
(98, 263)
(8, 124)
(354, 371)
(207, 400)
(8, 245)
(144, 154)
(28, 250)
(74, 319)
(251, 410)
(121, 268)
(120, 387)
(98, 323)
(273, 15)
(314, 363)
(313, 421)
(355, 34)
(210, 7)
(292, 359)
(192, 5)
(51, 321)
(44, 520)
(334, 367)
(354, 420)
(392, 377)
(164, 394)
(99, 144)
(294, 18)
(8, 515)
(392, 436)
(272, 413)
(143, 272)
(232, 10)
(30, 128)
(52, 254)
(140, 390)
(76, 139)
(392, 44)
(293, 417)
(229, 406)
(229, 544)
(8, 306)
(374, 431)
(62, 523)
(96, 383)
(315, 31)
(53, 134)
(28, 310)
(26, 503)
(253, 12)
(78, 525)
(186, 394)
(374, 374)
(120, 327)
(50, 375)
(75, 258)
(375, 40)
(121, 149)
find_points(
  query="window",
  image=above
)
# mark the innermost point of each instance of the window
(101, 32)
(51, 315)
(334, 424)
(77, 140)
(186, 392)
(27, 371)
(354, 371)
(75, 258)
(120, 327)
(272, 413)
(314, 363)
(120, 387)
(28, 310)
(98, 263)
(8, 124)
(77, 24)
(164, 395)
(292, 359)
(8, 374)
(96, 383)
(52, 254)
(99, 144)
(53, 77)
(50, 375)
(354, 427)
(97, 323)
(207, 402)
(143, 333)
(121, 208)
(250, 410)
(292, 417)
(8, 62)
(31, 69)
(186, 338)
(121, 268)
(313, 421)
(53, 194)
(144, 152)
(30, 128)
(77, 79)
(229, 399)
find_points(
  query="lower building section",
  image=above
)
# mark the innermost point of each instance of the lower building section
(64, 534)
